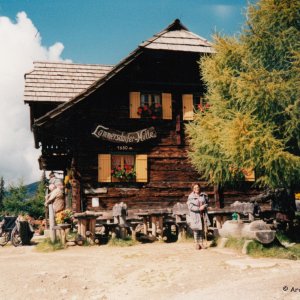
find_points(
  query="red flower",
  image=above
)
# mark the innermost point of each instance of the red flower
(154, 117)
(200, 107)
(157, 105)
(127, 167)
(140, 110)
(145, 107)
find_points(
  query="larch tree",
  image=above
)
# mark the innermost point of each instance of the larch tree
(253, 88)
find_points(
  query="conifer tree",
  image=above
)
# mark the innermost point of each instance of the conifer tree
(35, 205)
(2, 192)
(14, 201)
(253, 89)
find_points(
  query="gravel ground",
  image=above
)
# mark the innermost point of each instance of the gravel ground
(148, 271)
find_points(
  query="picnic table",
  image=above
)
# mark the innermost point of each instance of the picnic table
(87, 222)
(153, 221)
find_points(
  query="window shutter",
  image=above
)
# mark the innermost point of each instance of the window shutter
(187, 107)
(249, 174)
(141, 168)
(167, 106)
(135, 103)
(104, 168)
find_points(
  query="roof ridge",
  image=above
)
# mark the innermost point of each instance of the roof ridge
(176, 25)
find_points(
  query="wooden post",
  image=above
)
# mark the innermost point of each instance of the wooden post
(160, 222)
(63, 236)
(113, 232)
(123, 232)
(83, 228)
(92, 226)
(76, 200)
(153, 225)
(133, 230)
(250, 217)
(61, 232)
(133, 233)
(219, 197)
(216, 196)
(218, 221)
(52, 223)
(145, 225)
(181, 232)
(46, 211)
(160, 226)
(79, 226)
(57, 232)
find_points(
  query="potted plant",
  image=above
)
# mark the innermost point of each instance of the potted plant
(154, 111)
(64, 217)
(127, 173)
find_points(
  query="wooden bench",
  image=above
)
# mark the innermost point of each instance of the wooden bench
(61, 232)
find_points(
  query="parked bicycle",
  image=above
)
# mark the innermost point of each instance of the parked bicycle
(10, 231)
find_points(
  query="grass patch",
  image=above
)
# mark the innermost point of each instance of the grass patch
(127, 242)
(273, 250)
(47, 246)
(255, 249)
(235, 243)
(71, 236)
(283, 238)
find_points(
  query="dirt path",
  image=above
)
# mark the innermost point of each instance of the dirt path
(150, 271)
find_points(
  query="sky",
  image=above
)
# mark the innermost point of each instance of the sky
(90, 31)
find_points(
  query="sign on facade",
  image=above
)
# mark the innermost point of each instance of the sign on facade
(116, 136)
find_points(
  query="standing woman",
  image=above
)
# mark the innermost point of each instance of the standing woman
(197, 205)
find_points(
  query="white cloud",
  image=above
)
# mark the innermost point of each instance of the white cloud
(21, 44)
(223, 11)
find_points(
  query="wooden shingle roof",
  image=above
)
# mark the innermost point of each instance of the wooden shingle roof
(60, 82)
(177, 37)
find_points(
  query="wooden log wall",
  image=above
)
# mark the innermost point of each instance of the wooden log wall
(169, 174)
(170, 178)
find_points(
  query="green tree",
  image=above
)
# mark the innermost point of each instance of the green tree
(14, 201)
(35, 205)
(2, 192)
(253, 87)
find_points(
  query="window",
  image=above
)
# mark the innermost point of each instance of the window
(200, 103)
(150, 105)
(249, 174)
(150, 99)
(192, 103)
(122, 168)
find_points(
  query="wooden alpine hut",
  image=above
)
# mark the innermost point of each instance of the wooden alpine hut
(117, 132)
